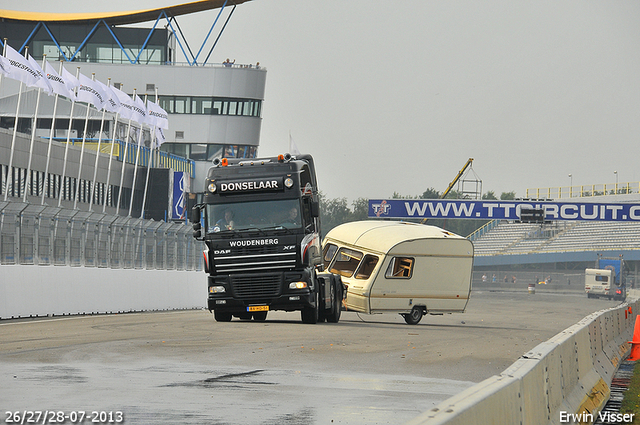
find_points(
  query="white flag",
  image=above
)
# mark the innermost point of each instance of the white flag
(58, 84)
(139, 111)
(293, 149)
(4, 65)
(112, 104)
(160, 138)
(91, 91)
(20, 69)
(42, 82)
(157, 116)
(70, 80)
(126, 103)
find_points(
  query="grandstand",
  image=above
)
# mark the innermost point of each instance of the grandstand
(560, 248)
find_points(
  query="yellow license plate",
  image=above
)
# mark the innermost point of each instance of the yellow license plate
(258, 308)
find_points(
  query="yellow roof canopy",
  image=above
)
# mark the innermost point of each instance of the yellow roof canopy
(115, 18)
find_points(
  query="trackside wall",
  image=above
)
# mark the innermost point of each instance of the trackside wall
(30, 291)
(570, 373)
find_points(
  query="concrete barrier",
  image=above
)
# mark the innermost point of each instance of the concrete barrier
(30, 291)
(563, 379)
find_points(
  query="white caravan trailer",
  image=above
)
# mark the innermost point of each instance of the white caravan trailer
(597, 282)
(406, 268)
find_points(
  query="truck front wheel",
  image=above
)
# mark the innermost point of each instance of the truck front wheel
(221, 317)
(260, 316)
(310, 314)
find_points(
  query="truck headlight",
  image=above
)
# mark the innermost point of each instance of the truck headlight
(297, 285)
(211, 188)
(216, 289)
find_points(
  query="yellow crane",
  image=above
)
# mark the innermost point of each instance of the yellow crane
(453, 182)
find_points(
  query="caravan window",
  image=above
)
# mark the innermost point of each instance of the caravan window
(602, 278)
(400, 267)
(329, 252)
(346, 262)
(366, 266)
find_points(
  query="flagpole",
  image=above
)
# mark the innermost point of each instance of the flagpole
(27, 183)
(4, 53)
(95, 167)
(66, 148)
(146, 182)
(135, 167)
(124, 159)
(84, 138)
(53, 123)
(113, 143)
(13, 142)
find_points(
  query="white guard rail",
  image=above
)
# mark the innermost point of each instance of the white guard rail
(32, 291)
(563, 380)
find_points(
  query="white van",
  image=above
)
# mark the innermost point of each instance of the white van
(407, 268)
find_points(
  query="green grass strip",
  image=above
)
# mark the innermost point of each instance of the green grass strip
(631, 399)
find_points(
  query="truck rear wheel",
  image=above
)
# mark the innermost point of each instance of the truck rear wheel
(414, 316)
(336, 299)
(221, 317)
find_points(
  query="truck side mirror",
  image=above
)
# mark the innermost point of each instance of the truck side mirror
(195, 215)
(195, 219)
(315, 208)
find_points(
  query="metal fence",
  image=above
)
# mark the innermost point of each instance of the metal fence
(584, 190)
(42, 235)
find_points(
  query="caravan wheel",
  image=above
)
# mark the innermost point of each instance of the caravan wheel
(415, 316)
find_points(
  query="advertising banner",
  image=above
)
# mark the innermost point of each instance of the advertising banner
(501, 210)
(181, 185)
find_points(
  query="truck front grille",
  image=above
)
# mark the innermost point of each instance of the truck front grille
(254, 262)
(256, 286)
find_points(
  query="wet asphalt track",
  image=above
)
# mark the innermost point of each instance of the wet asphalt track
(183, 367)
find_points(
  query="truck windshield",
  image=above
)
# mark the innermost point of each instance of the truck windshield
(253, 215)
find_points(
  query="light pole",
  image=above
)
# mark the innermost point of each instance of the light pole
(616, 174)
(570, 185)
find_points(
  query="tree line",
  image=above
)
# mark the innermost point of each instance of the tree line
(336, 211)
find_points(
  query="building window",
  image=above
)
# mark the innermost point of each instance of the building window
(198, 152)
(201, 105)
(207, 152)
(214, 151)
(182, 105)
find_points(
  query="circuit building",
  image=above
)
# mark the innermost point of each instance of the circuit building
(215, 108)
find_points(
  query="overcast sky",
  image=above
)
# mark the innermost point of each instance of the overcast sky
(396, 96)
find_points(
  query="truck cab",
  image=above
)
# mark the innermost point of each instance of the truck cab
(260, 224)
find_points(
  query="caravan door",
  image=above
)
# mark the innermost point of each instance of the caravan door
(395, 286)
